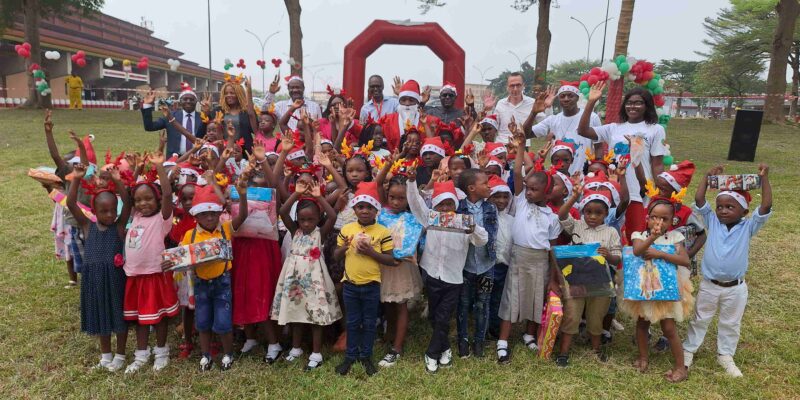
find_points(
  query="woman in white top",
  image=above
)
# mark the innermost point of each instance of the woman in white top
(638, 135)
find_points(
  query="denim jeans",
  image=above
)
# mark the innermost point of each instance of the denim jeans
(442, 301)
(212, 307)
(500, 272)
(362, 303)
(475, 297)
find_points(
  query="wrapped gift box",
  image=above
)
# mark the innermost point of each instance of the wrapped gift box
(734, 182)
(262, 219)
(649, 280)
(193, 255)
(450, 221)
(406, 231)
(551, 322)
(60, 198)
(582, 271)
(44, 175)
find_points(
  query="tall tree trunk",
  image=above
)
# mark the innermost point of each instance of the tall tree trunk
(542, 44)
(615, 89)
(794, 61)
(678, 102)
(295, 35)
(32, 21)
(788, 11)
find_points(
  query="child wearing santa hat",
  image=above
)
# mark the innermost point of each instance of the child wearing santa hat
(500, 196)
(590, 228)
(364, 245)
(433, 151)
(212, 281)
(443, 261)
(725, 263)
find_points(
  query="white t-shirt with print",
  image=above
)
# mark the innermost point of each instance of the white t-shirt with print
(567, 127)
(654, 146)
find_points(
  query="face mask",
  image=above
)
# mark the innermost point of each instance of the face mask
(407, 111)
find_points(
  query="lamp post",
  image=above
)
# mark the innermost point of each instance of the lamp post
(314, 73)
(482, 72)
(263, 45)
(521, 60)
(589, 35)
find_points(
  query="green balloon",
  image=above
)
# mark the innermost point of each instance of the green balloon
(585, 91)
(620, 59)
(41, 87)
(658, 90)
(38, 74)
(652, 85)
(624, 68)
(583, 85)
(668, 160)
(657, 77)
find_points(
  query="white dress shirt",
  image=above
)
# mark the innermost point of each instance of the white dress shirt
(312, 108)
(502, 244)
(534, 226)
(505, 110)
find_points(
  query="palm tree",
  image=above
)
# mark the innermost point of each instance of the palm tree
(788, 11)
(615, 89)
(295, 36)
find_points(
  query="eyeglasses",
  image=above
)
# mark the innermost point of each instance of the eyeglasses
(447, 95)
(637, 103)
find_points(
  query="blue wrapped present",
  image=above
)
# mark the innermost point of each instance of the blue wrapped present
(406, 231)
(583, 271)
(650, 280)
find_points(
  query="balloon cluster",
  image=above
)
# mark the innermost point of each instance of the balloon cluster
(52, 55)
(261, 63)
(240, 64)
(641, 72)
(23, 50)
(126, 65)
(79, 58)
(294, 64)
(108, 62)
(40, 80)
(595, 75)
(144, 62)
(228, 64)
(173, 64)
(276, 62)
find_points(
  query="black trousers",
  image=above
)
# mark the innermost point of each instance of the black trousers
(442, 301)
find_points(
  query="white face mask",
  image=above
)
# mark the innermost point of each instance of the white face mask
(408, 112)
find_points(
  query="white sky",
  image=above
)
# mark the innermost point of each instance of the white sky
(661, 30)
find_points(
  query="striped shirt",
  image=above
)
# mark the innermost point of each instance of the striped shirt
(607, 236)
(312, 108)
(360, 269)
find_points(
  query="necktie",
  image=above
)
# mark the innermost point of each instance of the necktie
(189, 128)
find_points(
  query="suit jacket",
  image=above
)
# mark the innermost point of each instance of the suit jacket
(244, 130)
(173, 136)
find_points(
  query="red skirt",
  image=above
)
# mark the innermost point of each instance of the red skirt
(635, 219)
(255, 272)
(149, 298)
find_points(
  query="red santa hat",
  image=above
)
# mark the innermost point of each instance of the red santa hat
(498, 185)
(186, 90)
(205, 200)
(410, 89)
(679, 175)
(494, 148)
(566, 180)
(742, 197)
(367, 192)
(90, 154)
(449, 86)
(172, 161)
(598, 179)
(571, 87)
(561, 145)
(491, 119)
(434, 145)
(296, 152)
(293, 78)
(590, 195)
(494, 161)
(443, 191)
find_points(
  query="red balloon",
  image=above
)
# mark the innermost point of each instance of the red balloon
(26, 45)
(80, 53)
(595, 71)
(659, 100)
(34, 67)
(592, 79)
(604, 76)
(81, 62)
(584, 77)
(647, 76)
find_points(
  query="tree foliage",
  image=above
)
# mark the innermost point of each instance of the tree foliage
(678, 74)
(11, 9)
(498, 85)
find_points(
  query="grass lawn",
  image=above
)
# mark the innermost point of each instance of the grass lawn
(43, 353)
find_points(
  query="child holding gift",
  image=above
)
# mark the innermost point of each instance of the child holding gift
(102, 279)
(724, 266)
(365, 245)
(659, 221)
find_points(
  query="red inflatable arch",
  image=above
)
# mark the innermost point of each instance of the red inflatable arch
(381, 32)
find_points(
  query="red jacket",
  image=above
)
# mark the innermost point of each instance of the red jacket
(391, 129)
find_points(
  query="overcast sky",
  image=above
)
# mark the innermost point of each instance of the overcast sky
(661, 30)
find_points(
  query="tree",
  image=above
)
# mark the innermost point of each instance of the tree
(543, 35)
(295, 36)
(729, 76)
(615, 89)
(32, 12)
(570, 70)
(498, 85)
(679, 76)
(788, 11)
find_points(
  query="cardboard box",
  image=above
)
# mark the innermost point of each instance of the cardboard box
(450, 221)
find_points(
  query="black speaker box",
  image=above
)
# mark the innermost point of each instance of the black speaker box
(744, 139)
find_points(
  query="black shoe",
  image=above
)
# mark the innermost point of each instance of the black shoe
(344, 368)
(270, 360)
(226, 363)
(477, 349)
(206, 363)
(505, 358)
(369, 367)
(605, 339)
(562, 361)
(312, 365)
(463, 348)
(662, 344)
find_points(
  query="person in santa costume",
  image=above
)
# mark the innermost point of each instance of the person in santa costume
(564, 125)
(407, 115)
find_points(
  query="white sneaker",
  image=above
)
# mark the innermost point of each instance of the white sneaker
(446, 359)
(431, 365)
(250, 344)
(161, 358)
(117, 363)
(141, 358)
(688, 358)
(617, 326)
(530, 342)
(294, 354)
(105, 359)
(730, 366)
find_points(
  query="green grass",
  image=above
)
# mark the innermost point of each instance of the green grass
(43, 353)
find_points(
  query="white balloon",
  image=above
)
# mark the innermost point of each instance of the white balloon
(610, 67)
(631, 77)
(173, 64)
(52, 55)
(631, 61)
(108, 62)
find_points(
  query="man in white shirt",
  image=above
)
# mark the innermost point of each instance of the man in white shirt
(377, 105)
(297, 89)
(564, 125)
(516, 105)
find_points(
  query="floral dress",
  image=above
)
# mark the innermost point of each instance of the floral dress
(305, 291)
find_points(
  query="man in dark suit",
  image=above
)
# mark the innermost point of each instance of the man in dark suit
(177, 143)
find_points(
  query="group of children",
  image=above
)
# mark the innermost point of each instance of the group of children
(361, 237)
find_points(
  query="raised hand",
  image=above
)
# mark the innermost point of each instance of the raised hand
(489, 100)
(411, 174)
(114, 171)
(162, 137)
(346, 117)
(398, 83)
(149, 97)
(227, 152)
(763, 170)
(541, 103)
(79, 171)
(205, 104)
(716, 170)
(324, 160)
(301, 187)
(231, 130)
(259, 151)
(156, 158)
(275, 85)
(74, 136)
(297, 104)
(315, 189)
(425, 95)
(483, 158)
(658, 228)
(513, 127)
(241, 184)
(596, 91)
(48, 121)
(551, 96)
(287, 143)
(164, 110)
(546, 149)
